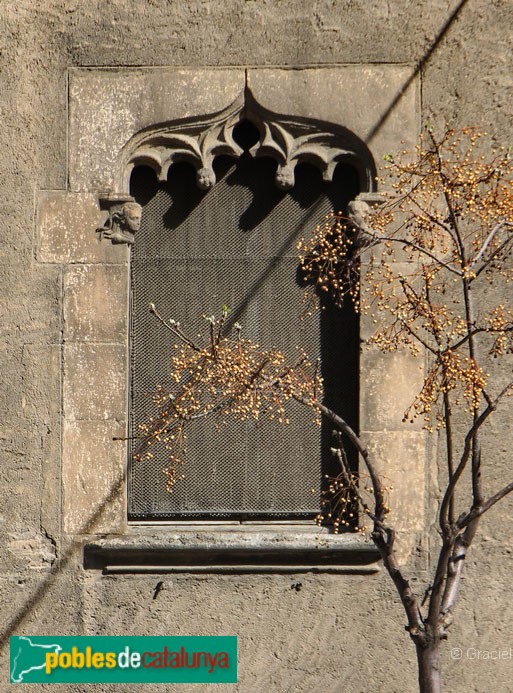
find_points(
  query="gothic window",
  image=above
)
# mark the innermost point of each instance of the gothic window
(222, 230)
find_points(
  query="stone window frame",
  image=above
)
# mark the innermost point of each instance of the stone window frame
(110, 110)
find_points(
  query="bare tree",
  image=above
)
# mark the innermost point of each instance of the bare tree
(450, 220)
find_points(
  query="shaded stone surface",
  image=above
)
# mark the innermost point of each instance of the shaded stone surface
(93, 494)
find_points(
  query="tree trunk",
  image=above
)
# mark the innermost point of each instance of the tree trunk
(428, 658)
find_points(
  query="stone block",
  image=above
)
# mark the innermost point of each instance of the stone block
(30, 550)
(41, 405)
(107, 108)
(400, 458)
(29, 304)
(20, 476)
(95, 303)
(93, 477)
(11, 389)
(388, 386)
(94, 381)
(66, 230)
(41, 383)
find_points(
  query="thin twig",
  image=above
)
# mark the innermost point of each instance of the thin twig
(173, 328)
(489, 239)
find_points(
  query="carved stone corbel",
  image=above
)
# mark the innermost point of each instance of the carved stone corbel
(123, 221)
(361, 207)
(358, 211)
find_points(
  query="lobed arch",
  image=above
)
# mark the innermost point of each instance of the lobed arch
(290, 140)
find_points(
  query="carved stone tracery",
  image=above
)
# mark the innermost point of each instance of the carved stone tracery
(287, 140)
(161, 150)
(317, 148)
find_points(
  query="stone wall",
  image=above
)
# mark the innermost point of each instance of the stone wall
(298, 631)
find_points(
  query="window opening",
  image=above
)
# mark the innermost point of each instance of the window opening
(235, 245)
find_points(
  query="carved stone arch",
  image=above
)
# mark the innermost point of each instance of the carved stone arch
(287, 139)
(292, 140)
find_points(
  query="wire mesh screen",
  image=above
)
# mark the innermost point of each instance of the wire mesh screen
(234, 245)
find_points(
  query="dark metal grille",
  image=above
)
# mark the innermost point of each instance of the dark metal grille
(234, 245)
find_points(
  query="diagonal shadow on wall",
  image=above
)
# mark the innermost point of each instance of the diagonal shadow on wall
(419, 65)
(60, 565)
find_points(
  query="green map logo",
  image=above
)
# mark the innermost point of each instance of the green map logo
(31, 656)
(123, 659)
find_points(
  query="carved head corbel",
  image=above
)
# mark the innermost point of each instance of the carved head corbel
(123, 222)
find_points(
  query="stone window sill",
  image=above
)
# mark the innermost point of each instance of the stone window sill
(231, 548)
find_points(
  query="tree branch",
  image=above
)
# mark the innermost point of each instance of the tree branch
(419, 248)
(455, 569)
(492, 405)
(485, 506)
(384, 536)
(492, 257)
(450, 452)
(462, 464)
(489, 239)
(361, 448)
(479, 330)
